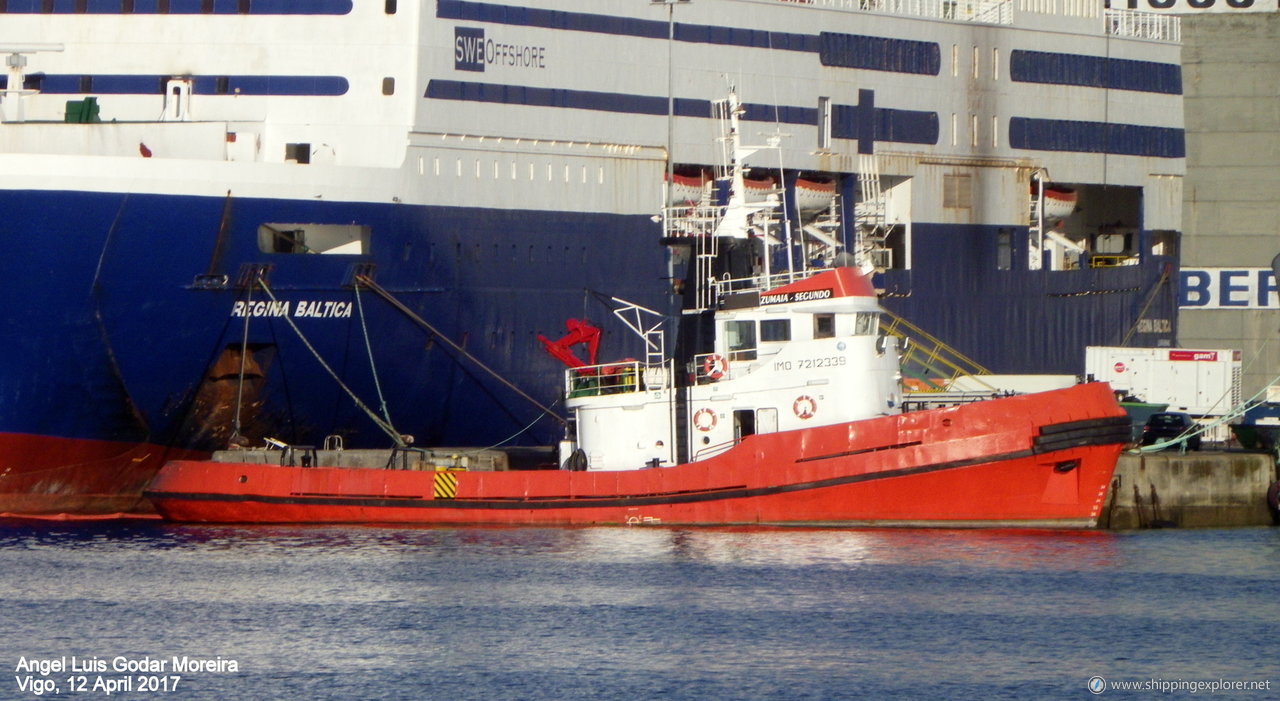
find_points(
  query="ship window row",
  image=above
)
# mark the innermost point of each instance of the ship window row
(741, 335)
(261, 85)
(975, 62)
(181, 7)
(479, 253)
(970, 131)
(496, 169)
(1095, 72)
(1072, 69)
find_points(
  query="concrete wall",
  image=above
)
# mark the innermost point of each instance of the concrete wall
(1231, 208)
(1194, 490)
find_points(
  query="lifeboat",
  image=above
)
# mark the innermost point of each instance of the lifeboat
(1059, 202)
(814, 195)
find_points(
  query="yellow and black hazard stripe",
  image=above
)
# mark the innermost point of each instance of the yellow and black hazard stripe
(446, 485)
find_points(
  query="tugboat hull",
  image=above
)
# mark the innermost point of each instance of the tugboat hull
(1037, 460)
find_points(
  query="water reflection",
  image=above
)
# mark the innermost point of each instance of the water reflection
(545, 613)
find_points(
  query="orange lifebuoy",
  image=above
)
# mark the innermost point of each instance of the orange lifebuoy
(704, 420)
(714, 366)
(805, 406)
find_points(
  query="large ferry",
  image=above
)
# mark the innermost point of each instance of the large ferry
(190, 189)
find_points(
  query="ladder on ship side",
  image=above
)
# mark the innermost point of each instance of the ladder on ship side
(928, 364)
(870, 218)
(1035, 232)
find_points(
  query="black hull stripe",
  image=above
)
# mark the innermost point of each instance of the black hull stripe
(613, 502)
(1064, 436)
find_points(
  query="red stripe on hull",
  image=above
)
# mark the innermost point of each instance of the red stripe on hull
(981, 464)
(42, 476)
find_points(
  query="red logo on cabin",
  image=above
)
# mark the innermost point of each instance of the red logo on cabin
(1193, 355)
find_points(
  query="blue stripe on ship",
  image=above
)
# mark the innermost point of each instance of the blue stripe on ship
(848, 121)
(177, 7)
(1096, 137)
(1095, 72)
(622, 26)
(880, 54)
(291, 85)
(837, 50)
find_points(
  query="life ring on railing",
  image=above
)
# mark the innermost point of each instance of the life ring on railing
(704, 420)
(805, 406)
(714, 366)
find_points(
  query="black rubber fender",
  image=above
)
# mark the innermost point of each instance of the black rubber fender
(1273, 500)
(576, 462)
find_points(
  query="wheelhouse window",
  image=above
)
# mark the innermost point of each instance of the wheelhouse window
(824, 325)
(866, 323)
(740, 336)
(775, 330)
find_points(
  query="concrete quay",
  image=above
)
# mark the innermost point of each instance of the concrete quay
(1197, 489)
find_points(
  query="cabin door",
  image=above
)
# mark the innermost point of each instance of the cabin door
(767, 420)
(744, 424)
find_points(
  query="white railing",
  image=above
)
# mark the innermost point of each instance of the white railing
(1156, 26)
(1064, 8)
(623, 377)
(762, 283)
(984, 11)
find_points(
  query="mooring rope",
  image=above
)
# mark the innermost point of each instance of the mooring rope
(244, 349)
(384, 425)
(368, 346)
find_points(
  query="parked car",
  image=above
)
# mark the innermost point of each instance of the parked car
(1170, 424)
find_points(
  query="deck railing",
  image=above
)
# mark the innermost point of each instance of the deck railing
(984, 11)
(623, 377)
(1122, 23)
(1156, 26)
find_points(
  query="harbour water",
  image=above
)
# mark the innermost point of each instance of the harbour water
(634, 613)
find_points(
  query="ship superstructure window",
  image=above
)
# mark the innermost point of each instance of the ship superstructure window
(330, 239)
(866, 324)
(298, 153)
(390, 7)
(388, 86)
(1164, 243)
(740, 337)
(775, 330)
(1004, 250)
(824, 325)
(824, 122)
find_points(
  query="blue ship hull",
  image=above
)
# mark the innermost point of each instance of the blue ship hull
(118, 318)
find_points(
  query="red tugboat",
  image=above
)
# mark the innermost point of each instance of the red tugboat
(785, 408)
